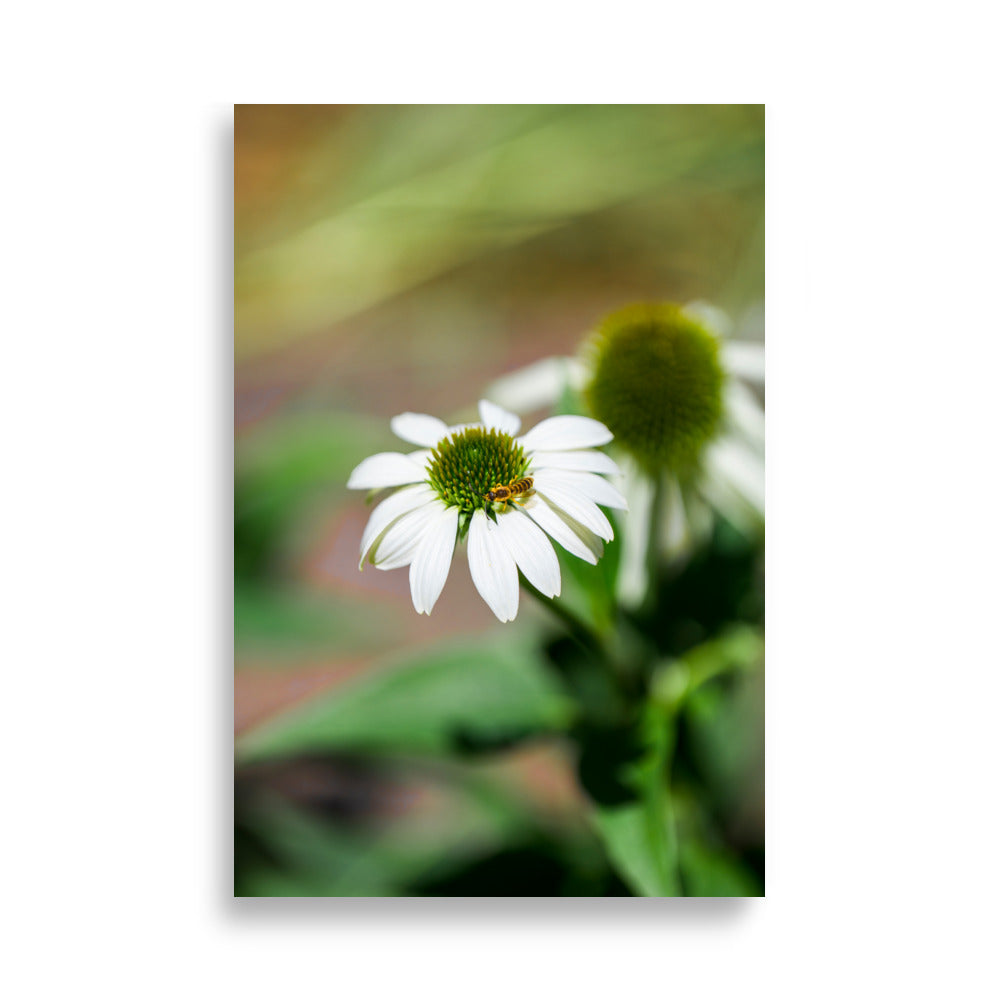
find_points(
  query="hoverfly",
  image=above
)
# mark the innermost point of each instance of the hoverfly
(510, 494)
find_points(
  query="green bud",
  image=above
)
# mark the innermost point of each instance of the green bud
(656, 384)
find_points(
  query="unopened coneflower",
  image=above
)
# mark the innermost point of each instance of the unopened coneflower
(657, 380)
(669, 385)
(507, 494)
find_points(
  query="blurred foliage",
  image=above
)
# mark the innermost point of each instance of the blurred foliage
(282, 619)
(639, 832)
(284, 468)
(490, 844)
(399, 257)
(445, 709)
(287, 851)
(451, 698)
(445, 184)
(288, 476)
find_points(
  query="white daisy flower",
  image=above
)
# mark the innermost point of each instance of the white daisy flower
(674, 385)
(443, 492)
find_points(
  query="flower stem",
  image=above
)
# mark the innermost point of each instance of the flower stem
(609, 658)
(578, 629)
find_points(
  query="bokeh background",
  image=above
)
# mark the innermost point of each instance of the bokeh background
(393, 258)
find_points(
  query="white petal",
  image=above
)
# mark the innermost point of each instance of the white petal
(494, 416)
(575, 461)
(492, 567)
(699, 516)
(532, 551)
(722, 497)
(740, 357)
(564, 433)
(573, 537)
(716, 320)
(676, 531)
(745, 412)
(400, 542)
(422, 457)
(430, 565)
(387, 468)
(389, 509)
(585, 483)
(577, 507)
(536, 386)
(632, 570)
(736, 466)
(419, 428)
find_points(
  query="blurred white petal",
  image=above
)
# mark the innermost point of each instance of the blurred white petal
(565, 433)
(429, 569)
(676, 530)
(732, 464)
(492, 567)
(536, 386)
(496, 417)
(714, 319)
(419, 428)
(387, 468)
(632, 572)
(745, 413)
(744, 358)
(388, 510)
(575, 461)
(698, 515)
(532, 551)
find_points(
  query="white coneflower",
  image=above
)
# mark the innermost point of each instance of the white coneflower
(670, 386)
(443, 496)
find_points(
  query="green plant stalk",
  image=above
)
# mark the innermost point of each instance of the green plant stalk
(657, 799)
(651, 775)
(578, 629)
(640, 836)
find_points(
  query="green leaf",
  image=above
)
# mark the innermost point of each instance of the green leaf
(638, 846)
(279, 619)
(739, 650)
(725, 740)
(304, 450)
(714, 872)
(301, 853)
(431, 702)
(285, 469)
(640, 837)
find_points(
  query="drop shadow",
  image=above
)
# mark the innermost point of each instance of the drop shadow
(221, 238)
(502, 911)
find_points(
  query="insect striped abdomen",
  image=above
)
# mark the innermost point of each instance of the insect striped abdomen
(506, 494)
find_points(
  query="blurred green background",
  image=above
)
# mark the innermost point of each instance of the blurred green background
(393, 258)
